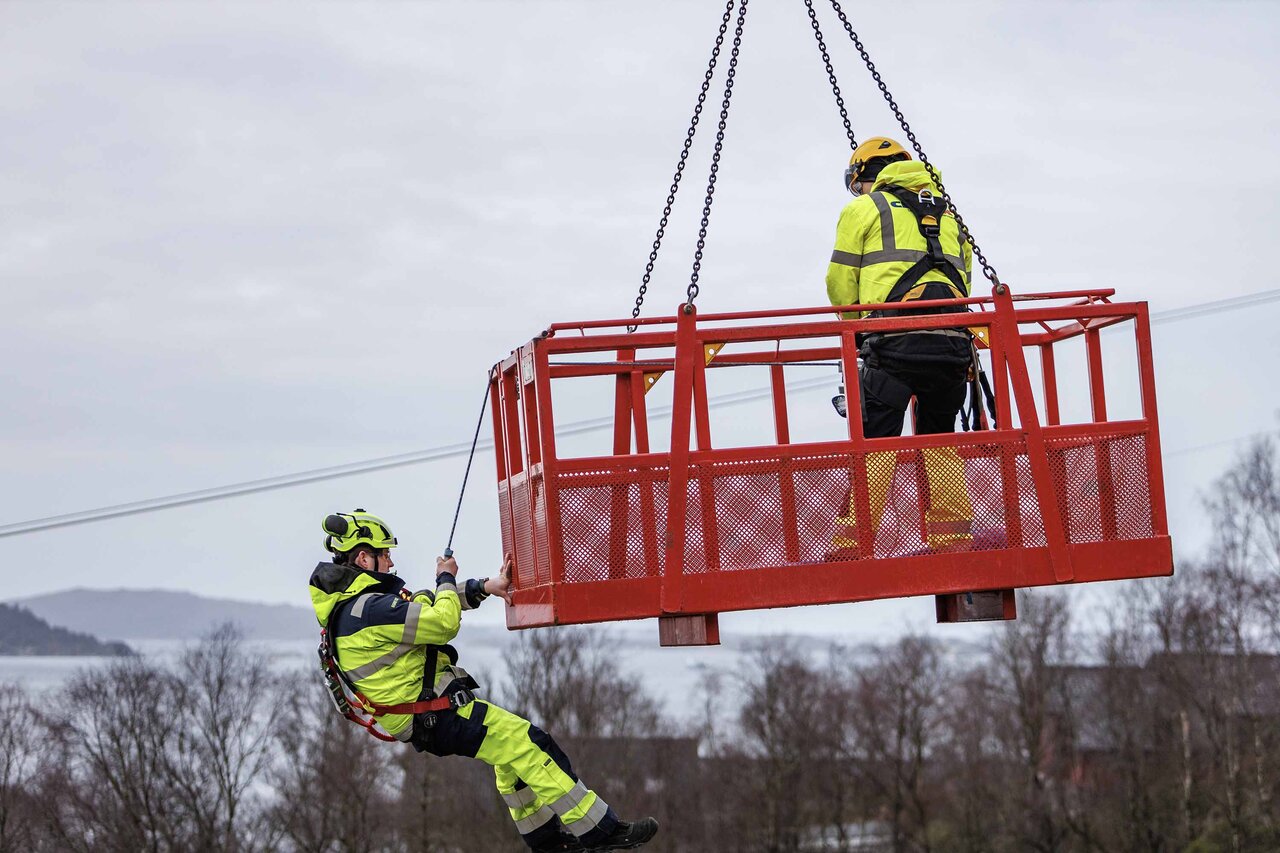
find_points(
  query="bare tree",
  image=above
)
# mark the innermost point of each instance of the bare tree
(781, 728)
(896, 724)
(566, 680)
(1029, 654)
(226, 701)
(972, 762)
(111, 736)
(331, 784)
(18, 769)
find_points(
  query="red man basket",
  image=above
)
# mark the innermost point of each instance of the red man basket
(695, 530)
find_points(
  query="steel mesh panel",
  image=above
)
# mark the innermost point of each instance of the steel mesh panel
(922, 500)
(695, 547)
(769, 512)
(612, 524)
(1074, 466)
(1132, 485)
(1033, 535)
(984, 474)
(821, 495)
(748, 517)
(940, 499)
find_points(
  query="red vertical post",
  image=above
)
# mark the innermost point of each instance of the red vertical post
(688, 353)
(1000, 379)
(1049, 382)
(554, 555)
(786, 481)
(619, 514)
(706, 480)
(648, 515)
(639, 411)
(1008, 453)
(500, 428)
(529, 411)
(513, 448)
(865, 529)
(1037, 449)
(1147, 381)
(511, 417)
(527, 381)
(781, 425)
(1097, 385)
(1102, 451)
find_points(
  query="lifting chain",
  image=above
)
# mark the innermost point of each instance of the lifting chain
(987, 269)
(684, 157)
(831, 74)
(715, 157)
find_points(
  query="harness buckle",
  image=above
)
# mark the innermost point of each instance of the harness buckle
(461, 697)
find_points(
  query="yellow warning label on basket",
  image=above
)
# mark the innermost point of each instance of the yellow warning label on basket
(982, 334)
(710, 351)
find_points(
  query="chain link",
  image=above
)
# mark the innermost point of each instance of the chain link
(692, 292)
(987, 269)
(831, 74)
(684, 158)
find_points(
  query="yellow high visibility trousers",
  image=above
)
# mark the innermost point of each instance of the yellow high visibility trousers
(533, 774)
(948, 514)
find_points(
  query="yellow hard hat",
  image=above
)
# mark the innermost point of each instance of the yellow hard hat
(873, 149)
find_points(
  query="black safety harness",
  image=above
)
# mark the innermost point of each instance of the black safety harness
(350, 702)
(928, 210)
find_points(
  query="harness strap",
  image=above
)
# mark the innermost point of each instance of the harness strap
(928, 211)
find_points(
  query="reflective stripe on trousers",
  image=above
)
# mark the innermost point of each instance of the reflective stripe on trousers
(532, 773)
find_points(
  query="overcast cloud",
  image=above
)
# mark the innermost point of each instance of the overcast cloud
(244, 240)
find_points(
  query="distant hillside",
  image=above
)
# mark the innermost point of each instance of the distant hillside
(153, 614)
(24, 633)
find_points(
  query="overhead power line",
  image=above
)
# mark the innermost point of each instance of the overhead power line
(448, 451)
(1204, 309)
(316, 475)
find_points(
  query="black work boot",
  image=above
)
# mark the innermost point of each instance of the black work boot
(626, 836)
(565, 842)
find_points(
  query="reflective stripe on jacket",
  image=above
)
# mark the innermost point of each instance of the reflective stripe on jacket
(878, 239)
(381, 638)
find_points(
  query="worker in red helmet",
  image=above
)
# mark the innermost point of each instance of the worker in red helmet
(896, 242)
(392, 649)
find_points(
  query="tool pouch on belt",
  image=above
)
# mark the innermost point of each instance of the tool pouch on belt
(879, 385)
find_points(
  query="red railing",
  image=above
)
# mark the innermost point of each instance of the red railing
(697, 529)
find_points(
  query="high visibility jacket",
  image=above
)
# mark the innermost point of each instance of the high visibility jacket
(383, 637)
(878, 239)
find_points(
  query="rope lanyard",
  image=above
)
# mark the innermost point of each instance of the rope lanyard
(484, 404)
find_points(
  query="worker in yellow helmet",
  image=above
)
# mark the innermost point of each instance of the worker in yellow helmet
(897, 242)
(391, 647)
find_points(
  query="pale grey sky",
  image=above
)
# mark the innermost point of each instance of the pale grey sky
(244, 240)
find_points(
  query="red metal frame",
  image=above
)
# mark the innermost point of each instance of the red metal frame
(1069, 510)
